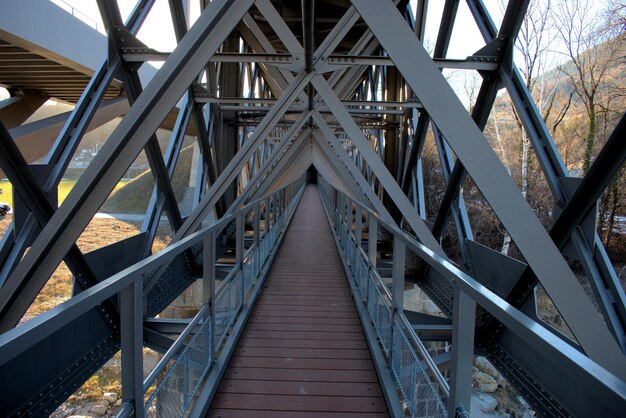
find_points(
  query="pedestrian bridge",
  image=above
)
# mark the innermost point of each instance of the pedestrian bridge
(315, 219)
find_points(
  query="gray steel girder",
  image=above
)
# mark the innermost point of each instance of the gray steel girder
(494, 182)
(178, 72)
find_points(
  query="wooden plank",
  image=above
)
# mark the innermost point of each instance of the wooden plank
(264, 326)
(303, 343)
(264, 387)
(290, 352)
(299, 375)
(292, 309)
(303, 352)
(245, 413)
(302, 363)
(265, 319)
(312, 335)
(300, 403)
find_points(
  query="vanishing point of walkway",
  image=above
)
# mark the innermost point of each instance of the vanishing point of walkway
(303, 352)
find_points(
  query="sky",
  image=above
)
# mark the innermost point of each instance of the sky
(157, 32)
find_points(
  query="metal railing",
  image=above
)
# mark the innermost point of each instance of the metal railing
(178, 376)
(424, 391)
(419, 382)
(182, 376)
(80, 15)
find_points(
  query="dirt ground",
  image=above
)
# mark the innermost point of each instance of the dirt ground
(99, 233)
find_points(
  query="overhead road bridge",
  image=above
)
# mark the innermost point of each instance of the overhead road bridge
(309, 234)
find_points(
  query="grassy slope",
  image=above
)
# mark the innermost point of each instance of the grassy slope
(64, 189)
(135, 195)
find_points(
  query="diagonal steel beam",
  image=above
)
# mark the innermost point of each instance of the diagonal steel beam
(338, 159)
(277, 165)
(157, 203)
(494, 182)
(605, 283)
(268, 166)
(160, 96)
(297, 159)
(23, 181)
(329, 139)
(61, 153)
(271, 118)
(112, 19)
(386, 179)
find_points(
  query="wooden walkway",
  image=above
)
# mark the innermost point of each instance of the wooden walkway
(303, 352)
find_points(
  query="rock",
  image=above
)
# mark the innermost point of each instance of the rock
(484, 366)
(529, 414)
(64, 412)
(99, 409)
(485, 383)
(110, 397)
(523, 402)
(79, 416)
(118, 403)
(486, 403)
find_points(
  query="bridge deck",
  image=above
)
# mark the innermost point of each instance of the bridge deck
(303, 352)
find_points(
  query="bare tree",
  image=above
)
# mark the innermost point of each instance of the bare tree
(616, 16)
(590, 55)
(532, 46)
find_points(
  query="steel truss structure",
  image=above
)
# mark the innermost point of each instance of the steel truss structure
(272, 88)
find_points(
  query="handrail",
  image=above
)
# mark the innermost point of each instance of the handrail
(128, 284)
(229, 278)
(154, 374)
(385, 322)
(603, 384)
(80, 15)
(441, 381)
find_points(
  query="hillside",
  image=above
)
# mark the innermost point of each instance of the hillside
(135, 195)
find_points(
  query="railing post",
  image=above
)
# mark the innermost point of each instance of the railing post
(372, 240)
(463, 323)
(208, 285)
(131, 335)
(372, 249)
(239, 247)
(257, 226)
(358, 224)
(397, 288)
(267, 215)
(397, 285)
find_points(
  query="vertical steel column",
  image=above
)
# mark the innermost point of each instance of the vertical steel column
(131, 334)
(257, 223)
(239, 249)
(208, 286)
(463, 323)
(266, 226)
(397, 284)
(372, 240)
(358, 225)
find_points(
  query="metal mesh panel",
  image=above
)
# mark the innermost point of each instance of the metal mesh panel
(379, 312)
(418, 392)
(361, 276)
(250, 269)
(226, 308)
(174, 394)
(265, 248)
(420, 395)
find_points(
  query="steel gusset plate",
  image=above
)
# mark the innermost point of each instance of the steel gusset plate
(42, 377)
